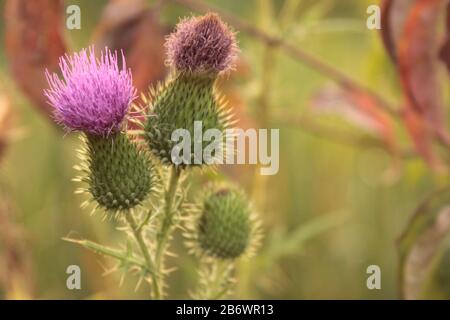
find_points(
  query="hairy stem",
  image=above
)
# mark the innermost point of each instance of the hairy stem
(215, 281)
(167, 223)
(137, 232)
(221, 282)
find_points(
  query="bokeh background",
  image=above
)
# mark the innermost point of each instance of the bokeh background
(339, 203)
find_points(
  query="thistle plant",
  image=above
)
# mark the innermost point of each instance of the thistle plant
(136, 180)
(93, 97)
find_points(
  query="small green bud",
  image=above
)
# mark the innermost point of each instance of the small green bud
(119, 177)
(224, 227)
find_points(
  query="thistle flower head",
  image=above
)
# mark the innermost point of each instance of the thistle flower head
(202, 44)
(93, 95)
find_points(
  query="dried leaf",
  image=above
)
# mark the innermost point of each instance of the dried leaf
(34, 41)
(386, 28)
(423, 245)
(130, 26)
(445, 51)
(417, 61)
(418, 65)
(393, 14)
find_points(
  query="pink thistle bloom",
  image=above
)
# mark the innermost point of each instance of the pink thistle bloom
(202, 44)
(93, 95)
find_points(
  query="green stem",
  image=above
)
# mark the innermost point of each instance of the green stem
(214, 277)
(167, 223)
(220, 285)
(137, 232)
(145, 221)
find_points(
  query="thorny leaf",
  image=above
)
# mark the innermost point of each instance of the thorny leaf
(424, 249)
(129, 25)
(34, 41)
(122, 256)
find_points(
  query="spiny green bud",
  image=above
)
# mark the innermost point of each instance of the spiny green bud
(187, 98)
(198, 51)
(224, 227)
(119, 177)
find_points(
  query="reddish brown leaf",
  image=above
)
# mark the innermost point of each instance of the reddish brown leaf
(417, 54)
(382, 121)
(419, 132)
(386, 34)
(129, 25)
(418, 66)
(34, 41)
(410, 40)
(393, 15)
(445, 51)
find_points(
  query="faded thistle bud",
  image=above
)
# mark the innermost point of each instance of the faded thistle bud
(224, 226)
(202, 45)
(93, 97)
(198, 51)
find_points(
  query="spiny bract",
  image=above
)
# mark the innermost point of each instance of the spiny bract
(199, 49)
(120, 174)
(185, 99)
(224, 226)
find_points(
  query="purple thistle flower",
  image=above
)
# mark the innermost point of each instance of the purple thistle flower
(202, 44)
(93, 95)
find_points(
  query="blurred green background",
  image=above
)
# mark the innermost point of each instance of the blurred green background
(328, 214)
